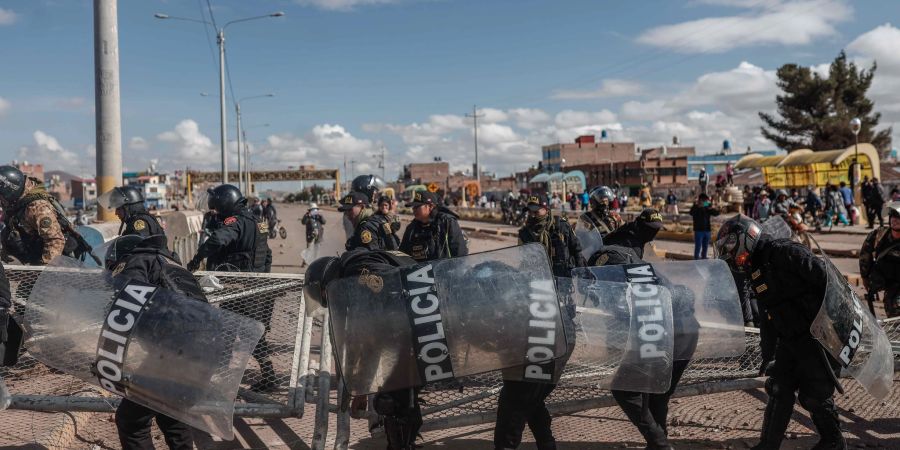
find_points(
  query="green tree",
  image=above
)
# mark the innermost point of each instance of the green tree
(815, 112)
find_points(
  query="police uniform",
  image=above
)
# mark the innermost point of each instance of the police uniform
(34, 232)
(649, 412)
(636, 234)
(140, 222)
(371, 232)
(400, 410)
(240, 244)
(789, 282)
(440, 238)
(151, 262)
(606, 223)
(879, 265)
(523, 402)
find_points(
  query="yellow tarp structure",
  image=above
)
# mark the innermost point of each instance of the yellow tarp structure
(804, 167)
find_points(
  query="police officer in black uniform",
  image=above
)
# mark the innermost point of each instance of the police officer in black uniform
(649, 412)
(148, 260)
(368, 229)
(523, 402)
(789, 282)
(399, 410)
(389, 222)
(434, 232)
(636, 234)
(879, 262)
(10, 331)
(128, 201)
(240, 244)
(601, 216)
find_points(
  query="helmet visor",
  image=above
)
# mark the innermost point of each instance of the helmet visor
(112, 199)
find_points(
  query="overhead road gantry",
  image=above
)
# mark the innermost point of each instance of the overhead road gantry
(263, 176)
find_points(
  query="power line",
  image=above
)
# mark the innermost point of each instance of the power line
(211, 16)
(475, 116)
(212, 53)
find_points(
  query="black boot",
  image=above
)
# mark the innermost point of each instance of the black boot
(775, 422)
(829, 427)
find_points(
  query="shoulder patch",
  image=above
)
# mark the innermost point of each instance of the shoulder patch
(365, 236)
(387, 228)
(263, 227)
(230, 220)
(118, 269)
(139, 225)
(601, 261)
(45, 222)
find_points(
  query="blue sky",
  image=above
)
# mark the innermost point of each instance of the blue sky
(352, 75)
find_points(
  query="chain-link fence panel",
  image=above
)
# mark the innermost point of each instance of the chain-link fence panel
(53, 409)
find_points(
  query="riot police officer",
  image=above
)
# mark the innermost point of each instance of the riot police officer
(523, 402)
(399, 410)
(240, 244)
(789, 283)
(368, 230)
(128, 201)
(601, 216)
(879, 261)
(434, 232)
(369, 185)
(388, 221)
(37, 229)
(636, 234)
(148, 260)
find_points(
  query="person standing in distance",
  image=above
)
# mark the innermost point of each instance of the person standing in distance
(523, 402)
(389, 222)
(434, 232)
(789, 283)
(128, 201)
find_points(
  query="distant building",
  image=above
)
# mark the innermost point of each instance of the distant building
(437, 172)
(666, 152)
(59, 185)
(84, 192)
(30, 170)
(716, 163)
(153, 186)
(585, 151)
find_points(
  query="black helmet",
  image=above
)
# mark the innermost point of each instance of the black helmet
(118, 197)
(118, 248)
(735, 242)
(320, 272)
(598, 194)
(225, 199)
(12, 184)
(367, 184)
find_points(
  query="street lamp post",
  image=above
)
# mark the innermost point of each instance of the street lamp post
(855, 127)
(220, 39)
(237, 111)
(246, 149)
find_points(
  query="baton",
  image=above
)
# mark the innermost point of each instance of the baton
(837, 384)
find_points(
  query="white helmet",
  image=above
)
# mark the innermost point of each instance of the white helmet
(313, 206)
(891, 208)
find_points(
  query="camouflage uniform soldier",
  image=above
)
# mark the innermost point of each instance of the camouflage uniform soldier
(35, 232)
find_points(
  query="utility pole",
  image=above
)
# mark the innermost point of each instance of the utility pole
(474, 116)
(237, 113)
(220, 38)
(106, 99)
(380, 158)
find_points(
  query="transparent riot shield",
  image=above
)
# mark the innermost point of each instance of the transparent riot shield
(776, 227)
(178, 356)
(447, 319)
(852, 336)
(624, 331)
(588, 236)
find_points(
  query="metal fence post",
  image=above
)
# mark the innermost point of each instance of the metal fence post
(320, 432)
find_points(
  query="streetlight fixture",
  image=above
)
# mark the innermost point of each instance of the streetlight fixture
(237, 110)
(855, 127)
(220, 39)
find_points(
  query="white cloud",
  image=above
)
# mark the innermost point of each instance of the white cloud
(767, 23)
(190, 146)
(652, 110)
(608, 88)
(571, 119)
(7, 16)
(138, 143)
(746, 88)
(492, 133)
(528, 118)
(4, 106)
(343, 5)
(879, 44)
(47, 150)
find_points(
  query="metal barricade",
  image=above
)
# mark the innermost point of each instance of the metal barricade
(48, 408)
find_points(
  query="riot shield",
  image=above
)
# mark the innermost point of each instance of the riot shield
(446, 319)
(776, 227)
(588, 236)
(624, 338)
(706, 307)
(851, 335)
(178, 356)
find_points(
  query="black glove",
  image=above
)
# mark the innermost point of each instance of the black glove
(193, 265)
(766, 367)
(4, 323)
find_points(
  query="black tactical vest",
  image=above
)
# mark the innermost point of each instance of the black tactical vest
(248, 253)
